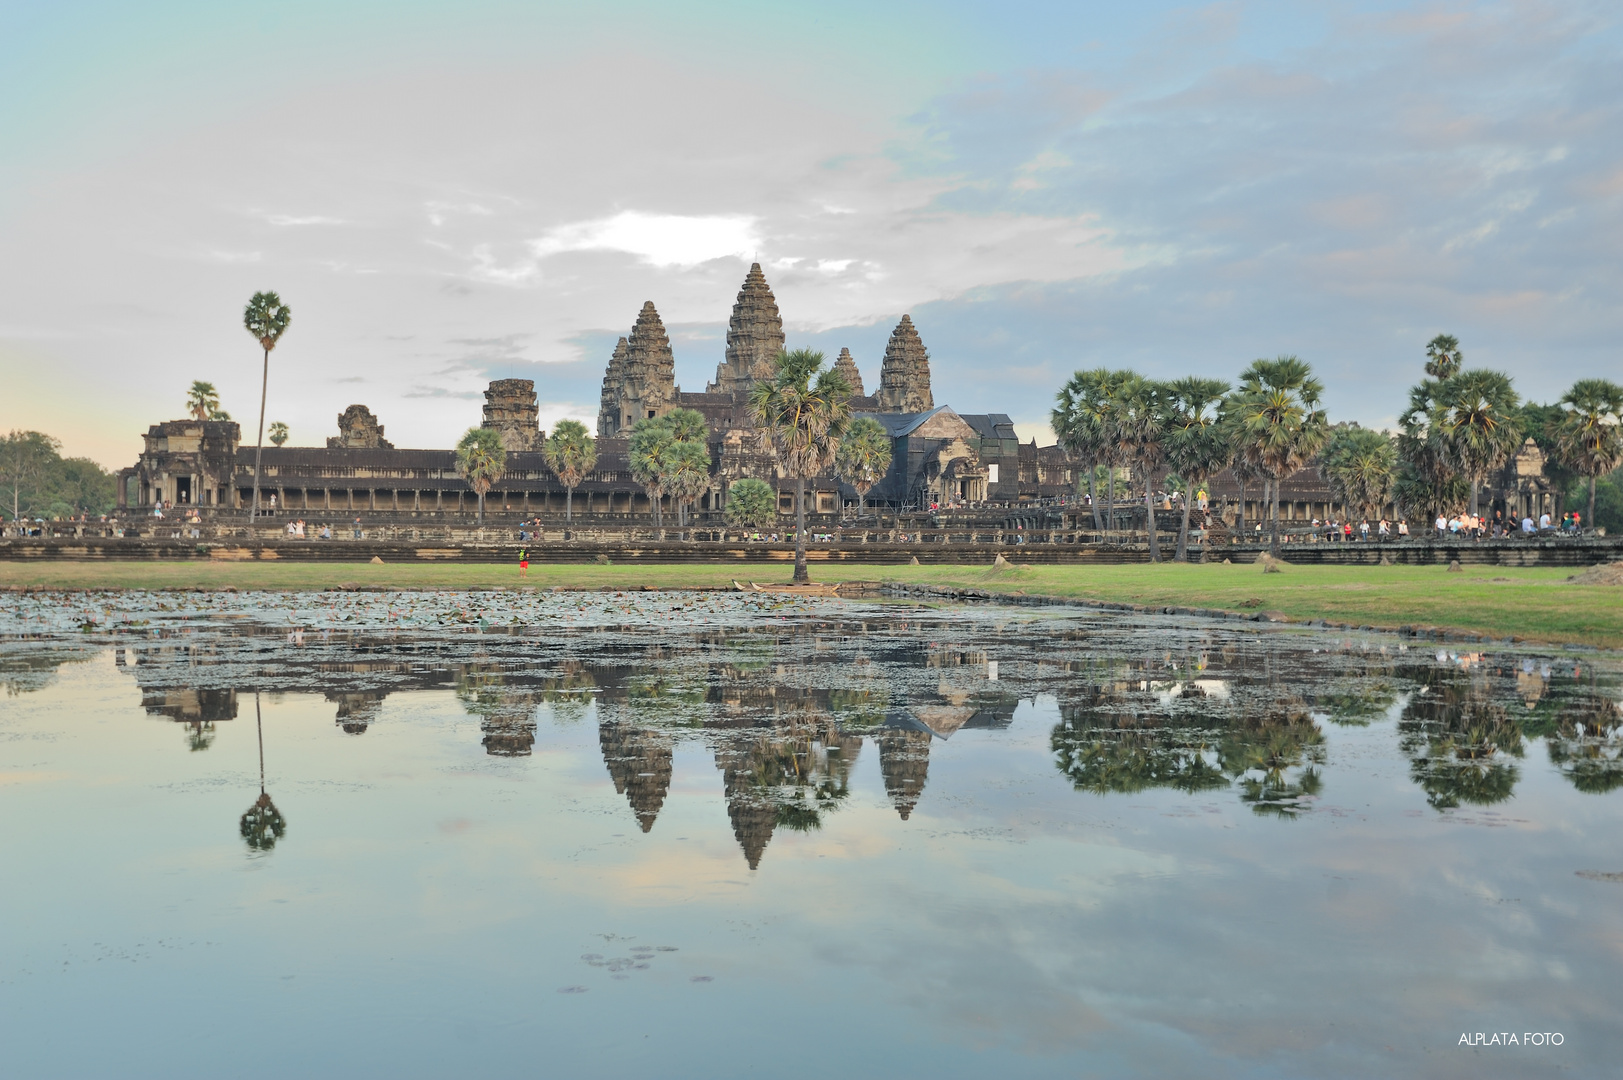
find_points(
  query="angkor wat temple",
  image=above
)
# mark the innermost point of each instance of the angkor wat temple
(939, 455)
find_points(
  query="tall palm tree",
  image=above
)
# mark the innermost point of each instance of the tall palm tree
(1280, 421)
(278, 433)
(1481, 425)
(571, 452)
(864, 457)
(1360, 466)
(650, 455)
(1087, 421)
(688, 477)
(1197, 445)
(481, 459)
(262, 824)
(202, 400)
(1143, 424)
(803, 420)
(1443, 357)
(266, 318)
(1589, 434)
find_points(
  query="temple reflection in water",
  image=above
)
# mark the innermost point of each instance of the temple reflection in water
(784, 711)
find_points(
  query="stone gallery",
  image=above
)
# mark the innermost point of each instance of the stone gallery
(938, 455)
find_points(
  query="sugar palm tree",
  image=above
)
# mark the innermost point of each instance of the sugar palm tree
(266, 318)
(1360, 466)
(688, 476)
(1427, 482)
(1589, 434)
(262, 825)
(278, 433)
(1481, 425)
(803, 411)
(1197, 445)
(202, 400)
(650, 457)
(571, 452)
(1143, 425)
(1443, 357)
(1280, 422)
(751, 503)
(1087, 421)
(864, 457)
(481, 459)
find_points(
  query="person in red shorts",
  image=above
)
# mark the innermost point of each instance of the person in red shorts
(523, 562)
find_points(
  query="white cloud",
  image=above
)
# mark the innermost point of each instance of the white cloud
(283, 220)
(660, 239)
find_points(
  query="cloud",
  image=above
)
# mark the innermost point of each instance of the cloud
(659, 239)
(284, 220)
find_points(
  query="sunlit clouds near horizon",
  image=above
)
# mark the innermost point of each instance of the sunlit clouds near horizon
(446, 196)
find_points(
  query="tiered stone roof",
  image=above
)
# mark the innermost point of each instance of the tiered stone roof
(754, 337)
(846, 368)
(904, 381)
(639, 763)
(358, 429)
(650, 367)
(904, 762)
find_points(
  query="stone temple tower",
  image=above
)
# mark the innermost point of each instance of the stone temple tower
(510, 409)
(846, 368)
(647, 383)
(904, 381)
(754, 337)
(609, 418)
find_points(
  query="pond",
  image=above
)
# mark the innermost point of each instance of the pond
(720, 835)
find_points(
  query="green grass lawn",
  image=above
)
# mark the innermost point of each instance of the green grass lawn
(1536, 604)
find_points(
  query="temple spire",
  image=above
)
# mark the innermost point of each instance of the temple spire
(846, 368)
(904, 380)
(754, 337)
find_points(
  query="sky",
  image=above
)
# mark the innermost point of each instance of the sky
(447, 194)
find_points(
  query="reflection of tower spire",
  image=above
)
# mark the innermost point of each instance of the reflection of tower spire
(749, 805)
(639, 763)
(904, 762)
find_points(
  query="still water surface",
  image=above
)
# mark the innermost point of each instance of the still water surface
(715, 835)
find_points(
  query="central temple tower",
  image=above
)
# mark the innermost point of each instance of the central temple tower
(754, 337)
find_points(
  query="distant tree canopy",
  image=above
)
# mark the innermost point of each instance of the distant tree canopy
(38, 482)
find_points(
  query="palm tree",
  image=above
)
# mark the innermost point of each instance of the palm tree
(202, 400)
(481, 459)
(1143, 427)
(1087, 422)
(1197, 445)
(1280, 422)
(650, 457)
(1589, 434)
(1427, 482)
(804, 421)
(864, 457)
(1481, 425)
(751, 503)
(688, 477)
(1443, 357)
(571, 452)
(278, 433)
(1360, 466)
(262, 824)
(266, 318)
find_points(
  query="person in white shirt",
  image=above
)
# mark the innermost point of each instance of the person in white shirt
(1544, 522)
(1527, 525)
(1442, 525)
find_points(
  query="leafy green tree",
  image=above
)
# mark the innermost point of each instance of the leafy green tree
(1590, 431)
(1481, 425)
(751, 503)
(481, 460)
(267, 319)
(1280, 422)
(1428, 483)
(689, 476)
(651, 458)
(1197, 445)
(864, 457)
(278, 433)
(26, 458)
(803, 410)
(571, 453)
(1360, 466)
(202, 400)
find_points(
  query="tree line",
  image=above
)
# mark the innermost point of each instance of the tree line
(1460, 427)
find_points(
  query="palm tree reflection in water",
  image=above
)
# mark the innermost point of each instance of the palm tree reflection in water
(262, 824)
